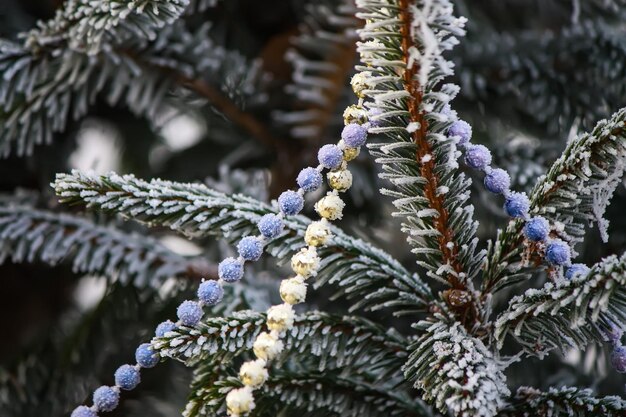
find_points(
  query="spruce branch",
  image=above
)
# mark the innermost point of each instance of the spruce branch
(30, 235)
(563, 402)
(573, 194)
(404, 46)
(362, 273)
(569, 313)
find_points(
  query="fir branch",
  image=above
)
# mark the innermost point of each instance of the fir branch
(430, 193)
(361, 272)
(456, 371)
(30, 235)
(570, 313)
(307, 391)
(563, 402)
(574, 193)
(332, 340)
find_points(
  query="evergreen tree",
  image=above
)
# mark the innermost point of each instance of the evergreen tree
(463, 262)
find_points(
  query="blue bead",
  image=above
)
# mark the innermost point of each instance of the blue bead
(271, 225)
(83, 411)
(189, 313)
(478, 156)
(250, 248)
(127, 377)
(537, 229)
(558, 252)
(309, 179)
(106, 398)
(375, 111)
(618, 359)
(614, 334)
(497, 181)
(145, 356)
(462, 130)
(517, 205)
(290, 202)
(230, 270)
(354, 135)
(330, 156)
(166, 326)
(210, 292)
(576, 269)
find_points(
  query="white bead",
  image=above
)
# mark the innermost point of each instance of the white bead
(355, 114)
(360, 83)
(293, 290)
(306, 262)
(317, 233)
(340, 180)
(267, 346)
(330, 207)
(253, 373)
(280, 317)
(239, 401)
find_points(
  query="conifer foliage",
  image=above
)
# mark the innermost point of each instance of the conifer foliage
(368, 153)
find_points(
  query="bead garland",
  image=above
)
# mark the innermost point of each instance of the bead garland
(305, 263)
(250, 249)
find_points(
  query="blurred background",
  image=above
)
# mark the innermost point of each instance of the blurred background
(272, 82)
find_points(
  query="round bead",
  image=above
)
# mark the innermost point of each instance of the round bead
(210, 292)
(145, 356)
(106, 398)
(83, 411)
(355, 114)
(375, 121)
(349, 154)
(517, 205)
(576, 269)
(253, 373)
(558, 252)
(166, 326)
(537, 229)
(267, 346)
(330, 207)
(354, 135)
(330, 156)
(309, 179)
(270, 225)
(290, 202)
(462, 130)
(293, 290)
(497, 181)
(340, 180)
(230, 270)
(280, 317)
(250, 248)
(478, 156)
(317, 233)
(239, 401)
(189, 313)
(618, 359)
(359, 83)
(127, 377)
(306, 262)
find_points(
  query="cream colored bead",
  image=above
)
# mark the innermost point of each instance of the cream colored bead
(239, 401)
(317, 233)
(330, 207)
(349, 154)
(253, 373)
(306, 262)
(355, 114)
(360, 83)
(280, 317)
(293, 290)
(267, 346)
(340, 180)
